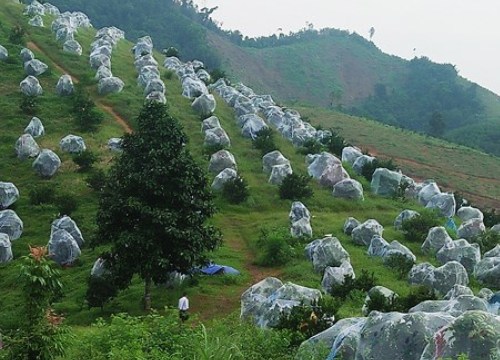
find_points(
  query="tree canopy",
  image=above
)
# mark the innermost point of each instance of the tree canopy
(155, 204)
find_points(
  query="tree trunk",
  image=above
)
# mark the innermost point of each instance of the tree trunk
(147, 294)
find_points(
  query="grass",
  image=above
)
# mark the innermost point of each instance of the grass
(212, 297)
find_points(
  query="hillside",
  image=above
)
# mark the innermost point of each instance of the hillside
(215, 300)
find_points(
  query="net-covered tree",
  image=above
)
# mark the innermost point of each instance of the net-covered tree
(155, 204)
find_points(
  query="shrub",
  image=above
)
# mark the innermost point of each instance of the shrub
(97, 179)
(235, 190)
(100, 290)
(417, 228)
(29, 104)
(66, 204)
(295, 187)
(310, 146)
(335, 143)
(401, 264)
(487, 240)
(208, 150)
(16, 35)
(370, 167)
(274, 247)
(85, 160)
(491, 218)
(42, 194)
(364, 282)
(86, 115)
(400, 303)
(171, 51)
(305, 321)
(217, 74)
(264, 140)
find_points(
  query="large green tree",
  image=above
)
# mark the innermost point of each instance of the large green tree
(155, 205)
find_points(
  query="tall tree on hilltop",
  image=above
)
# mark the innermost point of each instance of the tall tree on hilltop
(155, 204)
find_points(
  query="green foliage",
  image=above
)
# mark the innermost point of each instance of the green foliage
(364, 282)
(87, 116)
(217, 74)
(305, 321)
(66, 204)
(171, 51)
(208, 150)
(370, 167)
(154, 207)
(334, 143)
(311, 146)
(264, 141)
(417, 228)
(400, 303)
(235, 190)
(17, 34)
(41, 194)
(295, 187)
(487, 240)
(160, 337)
(85, 160)
(491, 218)
(39, 334)
(29, 104)
(436, 124)
(100, 290)
(400, 263)
(97, 179)
(275, 247)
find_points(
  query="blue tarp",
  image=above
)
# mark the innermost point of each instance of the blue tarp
(215, 269)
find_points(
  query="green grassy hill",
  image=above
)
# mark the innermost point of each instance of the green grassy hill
(241, 225)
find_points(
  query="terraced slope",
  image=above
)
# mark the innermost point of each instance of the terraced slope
(240, 224)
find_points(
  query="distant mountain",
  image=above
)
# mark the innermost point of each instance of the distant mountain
(328, 68)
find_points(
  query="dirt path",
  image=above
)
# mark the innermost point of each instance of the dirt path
(123, 123)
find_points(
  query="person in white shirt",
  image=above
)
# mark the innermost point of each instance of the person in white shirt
(183, 307)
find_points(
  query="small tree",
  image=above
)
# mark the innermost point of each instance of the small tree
(86, 115)
(85, 160)
(295, 187)
(417, 228)
(264, 140)
(171, 51)
(39, 335)
(335, 143)
(154, 205)
(235, 190)
(16, 35)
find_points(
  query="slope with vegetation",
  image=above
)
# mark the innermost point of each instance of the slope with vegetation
(253, 231)
(327, 67)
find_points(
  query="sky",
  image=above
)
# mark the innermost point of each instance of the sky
(464, 33)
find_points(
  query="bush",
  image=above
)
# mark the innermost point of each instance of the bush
(364, 282)
(401, 264)
(217, 74)
(491, 218)
(417, 228)
(310, 146)
(66, 204)
(295, 187)
(96, 180)
(305, 321)
(16, 35)
(29, 104)
(487, 240)
(85, 160)
(171, 51)
(42, 194)
(235, 190)
(334, 143)
(274, 247)
(264, 141)
(86, 115)
(400, 303)
(100, 290)
(369, 168)
(208, 150)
